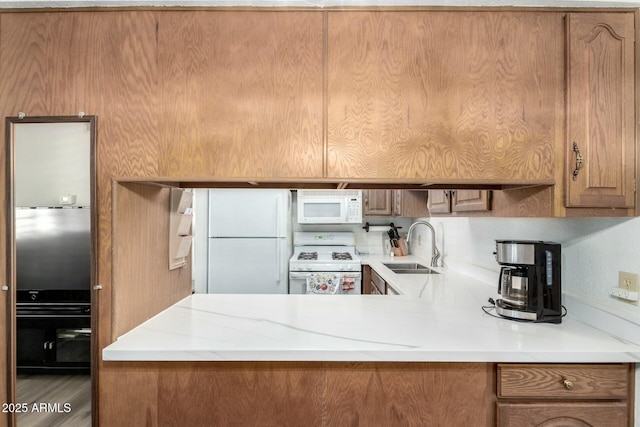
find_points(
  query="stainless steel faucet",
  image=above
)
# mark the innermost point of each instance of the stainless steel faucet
(435, 253)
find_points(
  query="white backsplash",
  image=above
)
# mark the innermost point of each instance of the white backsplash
(593, 251)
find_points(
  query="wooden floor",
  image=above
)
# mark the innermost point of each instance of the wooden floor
(55, 400)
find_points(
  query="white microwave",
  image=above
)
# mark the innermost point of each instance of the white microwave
(329, 206)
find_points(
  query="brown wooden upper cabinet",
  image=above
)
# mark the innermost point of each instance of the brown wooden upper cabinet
(600, 110)
(465, 96)
(402, 203)
(454, 201)
(244, 93)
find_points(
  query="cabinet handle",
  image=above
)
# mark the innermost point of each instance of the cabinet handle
(579, 160)
(567, 384)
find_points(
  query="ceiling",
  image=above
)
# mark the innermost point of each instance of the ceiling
(313, 3)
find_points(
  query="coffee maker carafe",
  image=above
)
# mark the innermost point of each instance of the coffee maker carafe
(529, 282)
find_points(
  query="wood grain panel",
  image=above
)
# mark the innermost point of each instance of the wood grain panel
(130, 394)
(546, 381)
(409, 394)
(442, 95)
(523, 202)
(298, 394)
(108, 71)
(101, 63)
(562, 414)
(409, 203)
(143, 285)
(243, 94)
(241, 394)
(7, 393)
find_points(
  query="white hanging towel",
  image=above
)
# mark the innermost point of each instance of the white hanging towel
(323, 283)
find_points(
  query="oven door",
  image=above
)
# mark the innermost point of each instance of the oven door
(350, 283)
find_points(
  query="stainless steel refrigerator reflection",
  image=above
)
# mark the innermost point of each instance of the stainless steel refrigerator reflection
(249, 241)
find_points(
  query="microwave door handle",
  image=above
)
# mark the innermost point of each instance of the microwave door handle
(345, 206)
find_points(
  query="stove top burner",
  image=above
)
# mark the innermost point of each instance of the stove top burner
(308, 255)
(341, 256)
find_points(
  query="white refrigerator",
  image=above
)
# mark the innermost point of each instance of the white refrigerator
(249, 242)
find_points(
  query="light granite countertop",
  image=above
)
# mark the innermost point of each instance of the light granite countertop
(436, 318)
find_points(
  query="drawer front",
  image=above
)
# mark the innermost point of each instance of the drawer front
(610, 414)
(563, 381)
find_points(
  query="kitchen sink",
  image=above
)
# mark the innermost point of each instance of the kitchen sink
(409, 268)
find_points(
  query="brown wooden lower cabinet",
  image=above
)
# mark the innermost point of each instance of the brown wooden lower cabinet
(564, 395)
(325, 394)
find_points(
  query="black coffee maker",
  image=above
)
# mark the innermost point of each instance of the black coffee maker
(529, 282)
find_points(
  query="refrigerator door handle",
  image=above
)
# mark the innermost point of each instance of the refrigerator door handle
(278, 234)
(278, 230)
(278, 258)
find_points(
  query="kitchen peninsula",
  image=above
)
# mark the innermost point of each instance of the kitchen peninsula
(438, 319)
(336, 352)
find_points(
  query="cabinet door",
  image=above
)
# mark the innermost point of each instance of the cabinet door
(378, 284)
(439, 201)
(410, 203)
(443, 95)
(600, 110)
(610, 414)
(470, 201)
(377, 202)
(243, 93)
(366, 280)
(33, 346)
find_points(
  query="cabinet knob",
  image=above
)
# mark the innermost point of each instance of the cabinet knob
(567, 384)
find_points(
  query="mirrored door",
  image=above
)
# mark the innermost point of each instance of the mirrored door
(51, 271)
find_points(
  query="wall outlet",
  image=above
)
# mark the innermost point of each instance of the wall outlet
(627, 287)
(628, 281)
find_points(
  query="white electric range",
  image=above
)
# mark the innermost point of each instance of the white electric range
(324, 263)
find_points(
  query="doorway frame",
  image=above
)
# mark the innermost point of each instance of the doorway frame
(11, 322)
